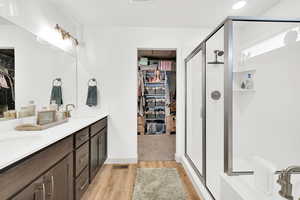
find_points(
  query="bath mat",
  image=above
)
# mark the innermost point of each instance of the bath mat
(158, 184)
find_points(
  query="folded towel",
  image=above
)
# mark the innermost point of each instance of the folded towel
(56, 95)
(92, 97)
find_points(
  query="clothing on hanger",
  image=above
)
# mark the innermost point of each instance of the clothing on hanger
(3, 82)
(165, 65)
(10, 80)
(3, 96)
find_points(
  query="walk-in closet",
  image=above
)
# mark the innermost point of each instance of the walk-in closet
(156, 104)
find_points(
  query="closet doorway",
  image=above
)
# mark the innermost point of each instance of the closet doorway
(156, 117)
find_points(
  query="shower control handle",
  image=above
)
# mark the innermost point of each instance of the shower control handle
(216, 95)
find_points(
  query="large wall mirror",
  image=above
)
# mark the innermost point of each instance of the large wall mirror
(33, 71)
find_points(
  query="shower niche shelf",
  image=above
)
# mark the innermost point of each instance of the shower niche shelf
(251, 71)
(246, 76)
(244, 90)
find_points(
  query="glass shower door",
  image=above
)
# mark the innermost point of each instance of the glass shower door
(195, 112)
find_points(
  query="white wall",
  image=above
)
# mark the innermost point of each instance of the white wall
(110, 55)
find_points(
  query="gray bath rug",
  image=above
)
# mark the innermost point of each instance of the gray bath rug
(158, 184)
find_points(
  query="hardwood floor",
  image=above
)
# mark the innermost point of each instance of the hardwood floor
(117, 183)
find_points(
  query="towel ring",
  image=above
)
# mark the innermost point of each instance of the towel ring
(92, 80)
(57, 79)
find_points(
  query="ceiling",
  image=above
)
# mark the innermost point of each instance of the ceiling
(159, 13)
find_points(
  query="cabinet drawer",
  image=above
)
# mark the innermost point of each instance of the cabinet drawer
(98, 126)
(82, 158)
(81, 184)
(81, 137)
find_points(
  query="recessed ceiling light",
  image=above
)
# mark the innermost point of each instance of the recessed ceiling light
(238, 5)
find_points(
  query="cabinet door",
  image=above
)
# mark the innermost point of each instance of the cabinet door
(94, 156)
(59, 181)
(101, 150)
(35, 191)
(103, 147)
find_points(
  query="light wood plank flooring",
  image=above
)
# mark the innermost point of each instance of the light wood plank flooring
(118, 184)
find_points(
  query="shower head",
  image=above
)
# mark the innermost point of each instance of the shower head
(218, 53)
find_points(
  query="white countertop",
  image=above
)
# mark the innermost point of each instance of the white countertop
(16, 145)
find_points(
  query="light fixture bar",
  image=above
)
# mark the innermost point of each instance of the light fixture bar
(66, 35)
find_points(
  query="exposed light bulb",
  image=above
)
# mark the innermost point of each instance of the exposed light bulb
(240, 4)
(53, 37)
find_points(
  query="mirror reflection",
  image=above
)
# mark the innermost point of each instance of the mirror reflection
(34, 75)
(7, 80)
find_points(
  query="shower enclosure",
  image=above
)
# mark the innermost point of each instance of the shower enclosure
(243, 104)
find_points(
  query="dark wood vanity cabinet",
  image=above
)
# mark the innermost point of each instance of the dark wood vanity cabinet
(82, 163)
(55, 184)
(94, 159)
(87, 169)
(103, 147)
(59, 180)
(34, 191)
(61, 171)
(98, 149)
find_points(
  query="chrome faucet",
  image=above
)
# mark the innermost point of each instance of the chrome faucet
(68, 112)
(285, 181)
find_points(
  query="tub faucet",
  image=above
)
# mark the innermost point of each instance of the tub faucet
(285, 181)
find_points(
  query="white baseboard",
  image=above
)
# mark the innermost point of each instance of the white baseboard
(121, 161)
(199, 187)
(178, 158)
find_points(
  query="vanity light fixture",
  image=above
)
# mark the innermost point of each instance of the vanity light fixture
(66, 35)
(239, 4)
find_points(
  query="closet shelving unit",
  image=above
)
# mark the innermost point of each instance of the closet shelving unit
(152, 93)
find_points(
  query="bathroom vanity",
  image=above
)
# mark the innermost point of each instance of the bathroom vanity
(57, 164)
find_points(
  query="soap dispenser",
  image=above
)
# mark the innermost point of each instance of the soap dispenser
(249, 82)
